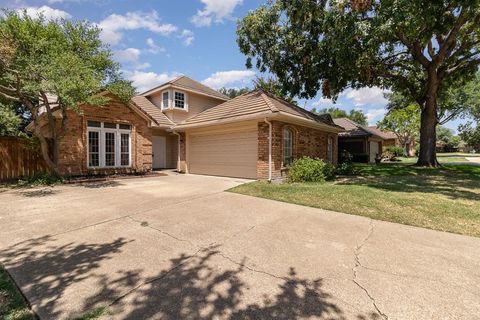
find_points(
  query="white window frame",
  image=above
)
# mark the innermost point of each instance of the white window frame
(330, 149)
(292, 138)
(101, 131)
(168, 100)
(185, 95)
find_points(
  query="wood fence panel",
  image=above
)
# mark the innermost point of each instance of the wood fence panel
(19, 160)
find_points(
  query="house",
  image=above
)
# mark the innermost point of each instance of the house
(391, 139)
(186, 125)
(362, 142)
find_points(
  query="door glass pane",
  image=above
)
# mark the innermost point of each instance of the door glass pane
(125, 149)
(110, 125)
(109, 149)
(93, 149)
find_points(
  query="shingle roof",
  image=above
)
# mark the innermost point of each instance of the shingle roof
(152, 111)
(387, 135)
(189, 84)
(255, 103)
(353, 129)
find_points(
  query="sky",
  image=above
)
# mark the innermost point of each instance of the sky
(157, 40)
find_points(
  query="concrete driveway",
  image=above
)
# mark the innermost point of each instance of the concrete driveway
(178, 247)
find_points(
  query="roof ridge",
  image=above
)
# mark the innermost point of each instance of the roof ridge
(266, 98)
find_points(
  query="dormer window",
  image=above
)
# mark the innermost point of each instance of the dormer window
(165, 100)
(179, 101)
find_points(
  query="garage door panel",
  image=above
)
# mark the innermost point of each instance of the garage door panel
(231, 154)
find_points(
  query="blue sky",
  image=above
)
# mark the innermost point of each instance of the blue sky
(156, 40)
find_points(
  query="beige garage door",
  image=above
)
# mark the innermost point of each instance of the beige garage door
(224, 153)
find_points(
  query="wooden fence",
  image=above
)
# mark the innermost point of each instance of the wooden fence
(18, 159)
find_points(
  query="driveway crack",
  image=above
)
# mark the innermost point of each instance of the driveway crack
(358, 264)
(162, 232)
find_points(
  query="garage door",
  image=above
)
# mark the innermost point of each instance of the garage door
(224, 153)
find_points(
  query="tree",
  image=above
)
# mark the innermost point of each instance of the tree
(52, 66)
(470, 134)
(355, 115)
(272, 86)
(411, 47)
(9, 121)
(404, 122)
(446, 139)
(233, 92)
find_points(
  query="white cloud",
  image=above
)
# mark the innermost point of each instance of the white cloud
(373, 115)
(127, 55)
(187, 36)
(115, 23)
(363, 96)
(214, 11)
(224, 78)
(48, 12)
(323, 103)
(144, 81)
(153, 48)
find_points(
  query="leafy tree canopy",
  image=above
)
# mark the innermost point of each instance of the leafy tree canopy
(404, 122)
(415, 48)
(10, 122)
(233, 92)
(355, 115)
(46, 64)
(274, 87)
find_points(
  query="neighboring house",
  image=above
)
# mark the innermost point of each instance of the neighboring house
(391, 139)
(186, 125)
(362, 142)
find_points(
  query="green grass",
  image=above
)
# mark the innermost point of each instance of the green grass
(446, 199)
(12, 304)
(444, 158)
(94, 314)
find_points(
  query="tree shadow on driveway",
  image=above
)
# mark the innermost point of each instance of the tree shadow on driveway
(206, 285)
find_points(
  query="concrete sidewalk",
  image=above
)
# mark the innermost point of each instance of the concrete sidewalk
(178, 247)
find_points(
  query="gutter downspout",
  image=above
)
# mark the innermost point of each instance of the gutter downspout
(269, 149)
(178, 149)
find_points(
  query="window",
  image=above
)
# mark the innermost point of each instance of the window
(109, 149)
(287, 147)
(93, 149)
(179, 101)
(330, 149)
(109, 144)
(165, 100)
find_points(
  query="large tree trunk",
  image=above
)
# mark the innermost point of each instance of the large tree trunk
(428, 134)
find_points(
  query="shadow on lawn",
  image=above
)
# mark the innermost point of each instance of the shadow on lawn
(453, 181)
(191, 287)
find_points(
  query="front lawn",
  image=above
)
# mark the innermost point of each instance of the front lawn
(446, 199)
(12, 304)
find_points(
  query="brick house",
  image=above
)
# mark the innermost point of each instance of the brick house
(186, 125)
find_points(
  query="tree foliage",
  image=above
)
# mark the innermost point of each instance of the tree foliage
(355, 115)
(404, 122)
(10, 121)
(233, 92)
(272, 86)
(415, 48)
(446, 139)
(48, 65)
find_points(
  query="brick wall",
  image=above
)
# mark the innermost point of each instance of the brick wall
(307, 142)
(73, 146)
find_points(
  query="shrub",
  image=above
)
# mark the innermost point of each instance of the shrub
(361, 157)
(345, 167)
(307, 169)
(417, 149)
(39, 180)
(345, 157)
(393, 151)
